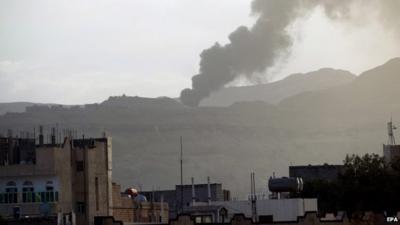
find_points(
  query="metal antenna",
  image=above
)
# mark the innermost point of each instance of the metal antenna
(253, 197)
(181, 161)
(391, 129)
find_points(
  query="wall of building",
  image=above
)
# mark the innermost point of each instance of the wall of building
(39, 182)
(308, 219)
(391, 152)
(123, 207)
(152, 212)
(58, 163)
(172, 197)
(93, 186)
(129, 211)
(62, 163)
(51, 166)
(279, 209)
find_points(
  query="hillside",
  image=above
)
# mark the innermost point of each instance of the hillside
(270, 93)
(279, 90)
(14, 107)
(227, 143)
(20, 107)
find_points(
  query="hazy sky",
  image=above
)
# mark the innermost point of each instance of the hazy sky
(73, 52)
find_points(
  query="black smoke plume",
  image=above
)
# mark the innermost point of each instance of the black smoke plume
(253, 50)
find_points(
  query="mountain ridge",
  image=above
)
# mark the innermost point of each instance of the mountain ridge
(227, 143)
(275, 92)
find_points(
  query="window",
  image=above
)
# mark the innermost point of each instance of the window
(198, 219)
(96, 183)
(28, 192)
(11, 190)
(80, 166)
(49, 186)
(49, 195)
(203, 219)
(11, 183)
(11, 195)
(207, 219)
(223, 214)
(80, 207)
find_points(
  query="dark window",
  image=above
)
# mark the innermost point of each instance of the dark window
(43, 196)
(11, 190)
(48, 196)
(11, 183)
(11, 195)
(96, 183)
(265, 219)
(28, 194)
(80, 166)
(49, 188)
(80, 207)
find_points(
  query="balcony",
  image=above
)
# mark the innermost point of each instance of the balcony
(30, 204)
(28, 197)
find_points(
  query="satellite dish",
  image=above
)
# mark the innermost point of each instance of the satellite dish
(132, 192)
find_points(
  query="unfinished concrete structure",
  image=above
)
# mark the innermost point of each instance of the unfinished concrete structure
(69, 179)
(138, 210)
(184, 195)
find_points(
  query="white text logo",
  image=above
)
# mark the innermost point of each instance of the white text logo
(391, 219)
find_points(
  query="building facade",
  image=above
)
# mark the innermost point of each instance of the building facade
(183, 196)
(70, 180)
(138, 210)
(391, 153)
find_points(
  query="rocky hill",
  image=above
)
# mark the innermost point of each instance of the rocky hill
(227, 143)
(277, 91)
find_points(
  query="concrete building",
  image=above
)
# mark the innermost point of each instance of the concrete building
(138, 210)
(271, 210)
(316, 172)
(391, 153)
(267, 210)
(310, 218)
(70, 180)
(201, 194)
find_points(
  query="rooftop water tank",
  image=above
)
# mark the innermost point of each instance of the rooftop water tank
(140, 198)
(285, 184)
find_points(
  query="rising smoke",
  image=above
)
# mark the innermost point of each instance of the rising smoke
(253, 50)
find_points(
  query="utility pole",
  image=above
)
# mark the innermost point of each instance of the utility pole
(181, 174)
(253, 197)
